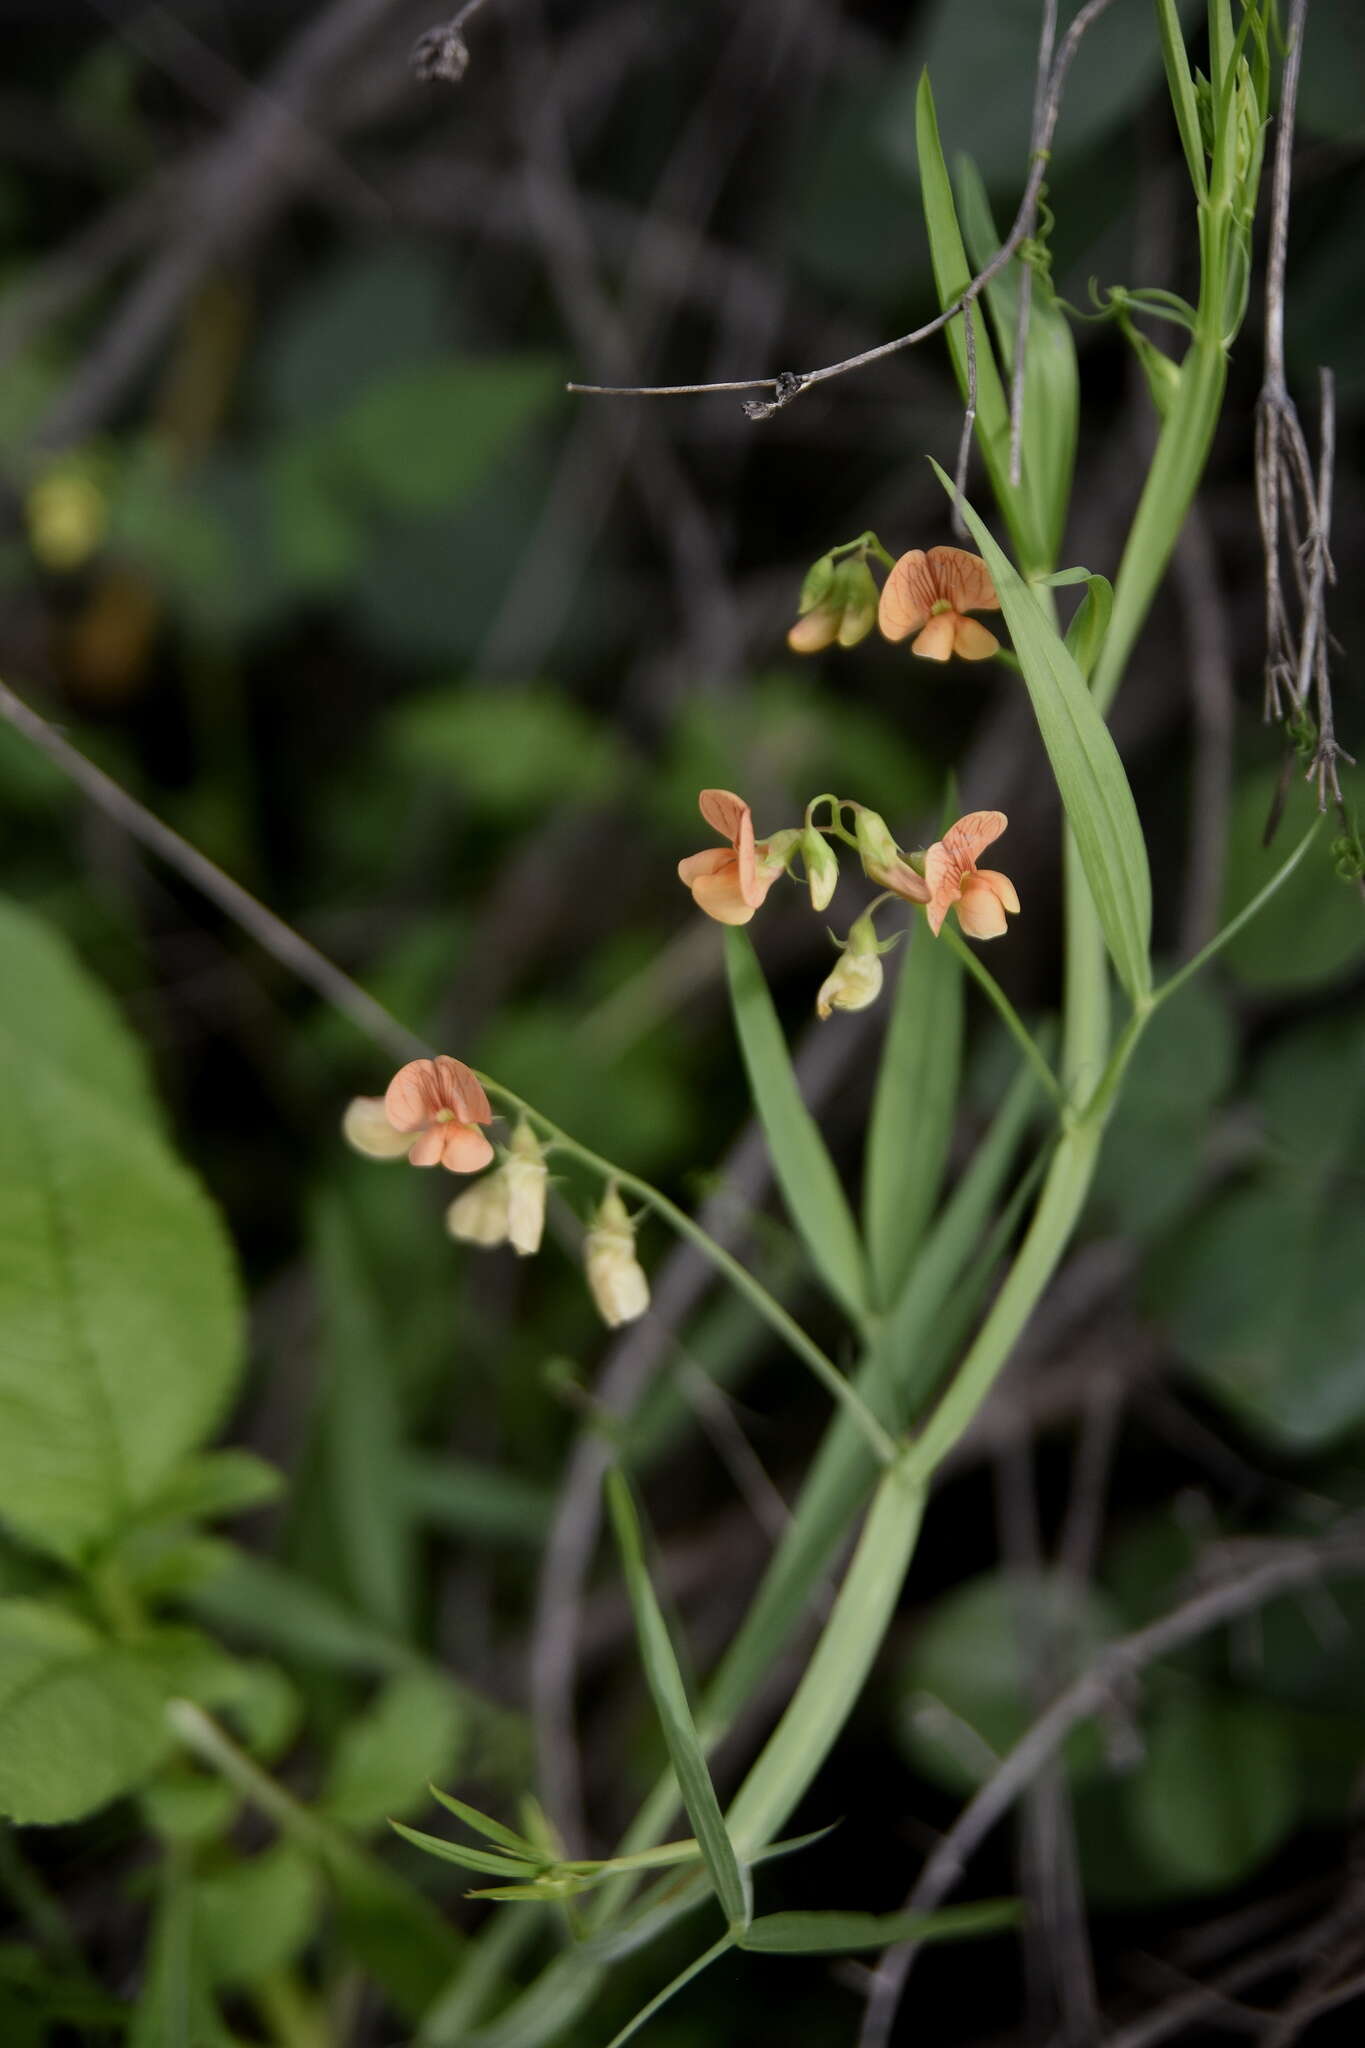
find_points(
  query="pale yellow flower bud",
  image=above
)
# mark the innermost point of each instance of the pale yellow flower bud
(616, 1279)
(527, 1182)
(480, 1215)
(855, 982)
(366, 1128)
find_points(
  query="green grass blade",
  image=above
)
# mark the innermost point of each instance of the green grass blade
(361, 1431)
(483, 1824)
(912, 1352)
(835, 1934)
(487, 1862)
(1090, 623)
(1181, 87)
(836, 1673)
(912, 1111)
(810, 1186)
(1085, 761)
(1051, 412)
(952, 275)
(675, 1715)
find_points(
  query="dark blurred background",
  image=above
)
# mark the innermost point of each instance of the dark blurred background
(304, 541)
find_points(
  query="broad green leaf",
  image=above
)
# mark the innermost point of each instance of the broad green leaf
(256, 1916)
(675, 1715)
(805, 1173)
(120, 1325)
(360, 1430)
(385, 1758)
(1264, 1296)
(965, 1694)
(1085, 761)
(1311, 933)
(1310, 1090)
(1217, 1791)
(912, 1111)
(423, 438)
(51, 1007)
(834, 1933)
(952, 274)
(1156, 1142)
(1051, 385)
(81, 1717)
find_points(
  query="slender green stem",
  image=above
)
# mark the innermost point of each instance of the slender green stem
(683, 1978)
(771, 1310)
(1013, 1022)
(1244, 916)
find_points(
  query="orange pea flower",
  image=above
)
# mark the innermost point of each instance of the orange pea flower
(440, 1103)
(730, 882)
(980, 895)
(927, 595)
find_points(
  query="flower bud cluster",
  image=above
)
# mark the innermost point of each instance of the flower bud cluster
(432, 1114)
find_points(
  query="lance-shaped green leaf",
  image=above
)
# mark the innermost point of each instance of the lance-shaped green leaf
(952, 275)
(1090, 623)
(1051, 402)
(488, 1862)
(805, 1172)
(675, 1715)
(834, 1934)
(912, 1111)
(1094, 789)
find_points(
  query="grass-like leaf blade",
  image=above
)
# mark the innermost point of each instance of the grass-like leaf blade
(832, 1933)
(1094, 789)
(912, 1110)
(488, 1862)
(805, 1172)
(675, 1715)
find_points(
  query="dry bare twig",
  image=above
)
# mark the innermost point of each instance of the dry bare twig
(1290, 493)
(790, 384)
(1287, 1568)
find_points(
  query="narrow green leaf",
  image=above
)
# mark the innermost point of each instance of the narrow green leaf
(489, 1862)
(832, 1934)
(675, 1716)
(805, 1172)
(470, 1499)
(910, 1356)
(361, 1430)
(952, 275)
(301, 1621)
(1094, 789)
(835, 1675)
(1051, 383)
(1181, 84)
(1090, 623)
(912, 1111)
(215, 1483)
(484, 1824)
